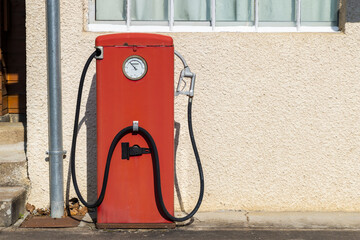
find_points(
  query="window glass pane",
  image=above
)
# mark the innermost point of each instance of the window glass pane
(192, 10)
(277, 10)
(319, 11)
(149, 10)
(235, 11)
(110, 9)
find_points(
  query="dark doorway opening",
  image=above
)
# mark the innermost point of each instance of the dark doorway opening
(13, 60)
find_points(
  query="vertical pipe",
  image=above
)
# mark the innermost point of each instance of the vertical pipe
(54, 109)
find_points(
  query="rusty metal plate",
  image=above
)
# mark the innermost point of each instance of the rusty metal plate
(48, 222)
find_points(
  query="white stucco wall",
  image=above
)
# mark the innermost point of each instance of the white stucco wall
(276, 115)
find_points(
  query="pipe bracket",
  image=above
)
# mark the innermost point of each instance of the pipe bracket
(63, 153)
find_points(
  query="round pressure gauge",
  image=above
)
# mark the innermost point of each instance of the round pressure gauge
(135, 67)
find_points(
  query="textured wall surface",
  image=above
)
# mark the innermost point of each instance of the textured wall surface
(276, 115)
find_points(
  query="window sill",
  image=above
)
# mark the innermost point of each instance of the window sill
(100, 27)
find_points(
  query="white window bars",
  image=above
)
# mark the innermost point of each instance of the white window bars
(254, 25)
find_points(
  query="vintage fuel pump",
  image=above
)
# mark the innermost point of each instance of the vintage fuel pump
(135, 130)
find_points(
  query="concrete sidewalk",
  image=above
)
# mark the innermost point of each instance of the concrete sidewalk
(216, 225)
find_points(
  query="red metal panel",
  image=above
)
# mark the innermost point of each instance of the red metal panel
(130, 195)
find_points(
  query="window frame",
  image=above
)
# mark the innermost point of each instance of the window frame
(201, 26)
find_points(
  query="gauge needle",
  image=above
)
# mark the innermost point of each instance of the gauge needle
(133, 66)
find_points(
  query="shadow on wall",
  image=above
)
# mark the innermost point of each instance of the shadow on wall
(91, 147)
(176, 182)
(352, 11)
(91, 151)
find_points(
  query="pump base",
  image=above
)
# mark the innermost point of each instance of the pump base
(136, 225)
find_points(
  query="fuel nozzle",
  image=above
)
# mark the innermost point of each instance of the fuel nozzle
(185, 73)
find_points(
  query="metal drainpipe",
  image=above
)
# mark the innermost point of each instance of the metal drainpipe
(55, 152)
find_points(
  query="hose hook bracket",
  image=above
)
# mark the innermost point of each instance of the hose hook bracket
(135, 126)
(99, 52)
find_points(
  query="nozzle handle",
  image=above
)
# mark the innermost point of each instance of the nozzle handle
(186, 73)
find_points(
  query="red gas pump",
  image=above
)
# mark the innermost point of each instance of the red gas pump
(135, 107)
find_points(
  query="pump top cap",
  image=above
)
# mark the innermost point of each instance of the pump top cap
(134, 39)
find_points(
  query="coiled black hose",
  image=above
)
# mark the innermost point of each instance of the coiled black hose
(73, 144)
(150, 141)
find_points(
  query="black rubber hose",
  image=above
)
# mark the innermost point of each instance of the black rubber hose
(150, 141)
(154, 151)
(73, 145)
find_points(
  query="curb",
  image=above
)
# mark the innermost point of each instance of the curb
(276, 220)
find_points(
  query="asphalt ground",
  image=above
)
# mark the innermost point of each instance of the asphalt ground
(206, 226)
(89, 234)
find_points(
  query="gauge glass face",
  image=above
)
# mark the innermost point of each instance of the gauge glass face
(135, 67)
